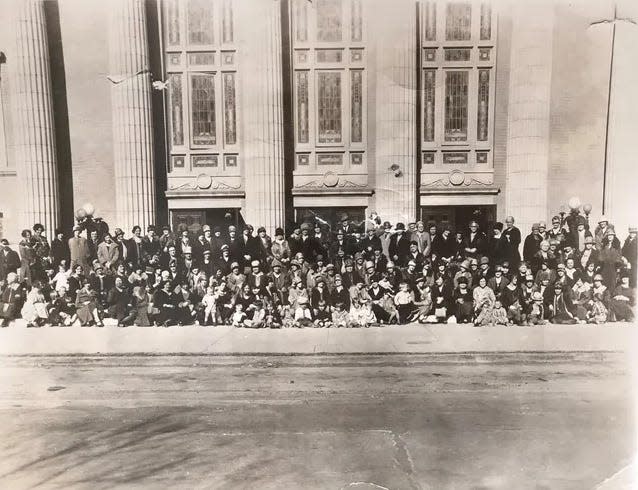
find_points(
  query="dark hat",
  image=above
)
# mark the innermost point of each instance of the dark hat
(462, 280)
(59, 231)
(498, 226)
(400, 226)
(217, 229)
(279, 231)
(166, 227)
(260, 229)
(387, 224)
(414, 242)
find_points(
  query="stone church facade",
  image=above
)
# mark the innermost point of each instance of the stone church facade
(275, 111)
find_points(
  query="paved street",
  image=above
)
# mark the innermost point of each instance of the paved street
(418, 421)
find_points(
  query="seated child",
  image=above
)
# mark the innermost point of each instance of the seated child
(340, 315)
(536, 315)
(323, 317)
(238, 318)
(499, 315)
(361, 314)
(598, 312)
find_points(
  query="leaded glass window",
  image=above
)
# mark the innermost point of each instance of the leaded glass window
(429, 78)
(200, 22)
(172, 22)
(483, 105)
(486, 22)
(229, 109)
(302, 106)
(456, 105)
(203, 109)
(329, 20)
(301, 21)
(356, 117)
(329, 107)
(227, 18)
(430, 21)
(356, 21)
(176, 107)
(458, 20)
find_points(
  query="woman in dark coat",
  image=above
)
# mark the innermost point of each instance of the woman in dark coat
(609, 258)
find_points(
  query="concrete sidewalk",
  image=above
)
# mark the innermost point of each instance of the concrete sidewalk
(413, 338)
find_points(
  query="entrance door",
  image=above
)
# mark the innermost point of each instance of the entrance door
(459, 217)
(332, 216)
(194, 219)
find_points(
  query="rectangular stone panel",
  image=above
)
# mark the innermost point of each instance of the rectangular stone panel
(329, 159)
(204, 160)
(456, 157)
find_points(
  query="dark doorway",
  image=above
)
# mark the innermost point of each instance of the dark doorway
(194, 219)
(332, 216)
(459, 217)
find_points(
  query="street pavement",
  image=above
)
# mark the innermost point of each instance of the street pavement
(412, 338)
(456, 420)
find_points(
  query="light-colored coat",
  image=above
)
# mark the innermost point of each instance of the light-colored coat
(108, 253)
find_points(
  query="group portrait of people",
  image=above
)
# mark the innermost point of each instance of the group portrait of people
(357, 274)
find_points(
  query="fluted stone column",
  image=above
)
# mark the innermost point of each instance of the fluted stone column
(529, 112)
(621, 178)
(262, 109)
(132, 116)
(396, 98)
(34, 127)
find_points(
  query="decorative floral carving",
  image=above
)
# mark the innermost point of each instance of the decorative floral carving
(203, 181)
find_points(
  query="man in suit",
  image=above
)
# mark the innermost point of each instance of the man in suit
(150, 244)
(11, 299)
(9, 260)
(423, 239)
(79, 250)
(108, 252)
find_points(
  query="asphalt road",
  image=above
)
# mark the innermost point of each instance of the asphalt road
(284, 422)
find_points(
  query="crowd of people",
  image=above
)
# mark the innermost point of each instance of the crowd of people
(357, 275)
